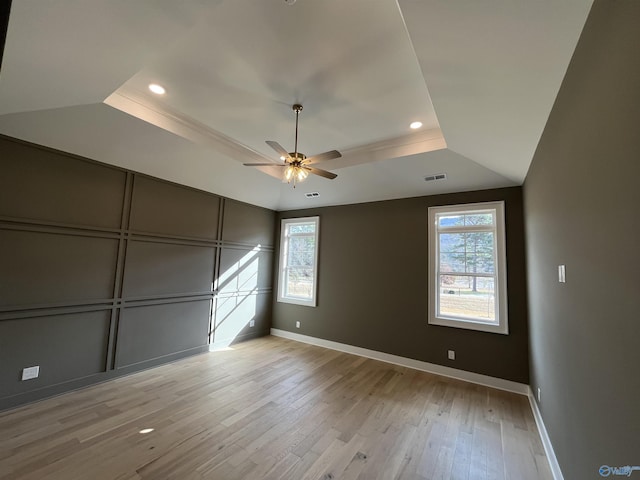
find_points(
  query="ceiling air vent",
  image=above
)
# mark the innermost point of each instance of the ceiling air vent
(312, 194)
(437, 176)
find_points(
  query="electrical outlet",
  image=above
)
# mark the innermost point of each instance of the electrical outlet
(539, 394)
(30, 372)
(297, 324)
(451, 354)
(252, 323)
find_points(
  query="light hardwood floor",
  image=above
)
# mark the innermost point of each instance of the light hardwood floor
(275, 409)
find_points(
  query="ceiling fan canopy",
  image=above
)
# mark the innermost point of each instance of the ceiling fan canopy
(296, 164)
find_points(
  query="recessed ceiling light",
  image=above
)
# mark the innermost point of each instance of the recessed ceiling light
(157, 89)
(282, 158)
(415, 125)
(146, 430)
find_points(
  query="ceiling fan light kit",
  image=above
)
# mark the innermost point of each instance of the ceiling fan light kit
(297, 174)
(297, 164)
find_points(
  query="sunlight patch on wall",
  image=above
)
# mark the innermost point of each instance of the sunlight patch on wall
(235, 305)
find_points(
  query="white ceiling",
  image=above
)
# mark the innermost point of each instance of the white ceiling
(482, 76)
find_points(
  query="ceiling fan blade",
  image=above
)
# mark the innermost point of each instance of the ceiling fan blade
(330, 155)
(322, 173)
(278, 148)
(264, 165)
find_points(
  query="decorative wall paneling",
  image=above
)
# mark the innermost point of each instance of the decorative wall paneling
(106, 271)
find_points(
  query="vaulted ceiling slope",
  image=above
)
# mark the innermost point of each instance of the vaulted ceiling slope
(480, 76)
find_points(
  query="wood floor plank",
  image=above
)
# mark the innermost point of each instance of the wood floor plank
(299, 469)
(275, 409)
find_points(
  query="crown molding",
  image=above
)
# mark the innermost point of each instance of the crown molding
(140, 106)
(396, 147)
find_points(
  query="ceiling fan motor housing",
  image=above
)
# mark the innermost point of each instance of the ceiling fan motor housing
(300, 157)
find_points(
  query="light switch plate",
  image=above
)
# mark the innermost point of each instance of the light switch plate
(562, 278)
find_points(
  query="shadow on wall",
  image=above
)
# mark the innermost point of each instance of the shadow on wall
(235, 306)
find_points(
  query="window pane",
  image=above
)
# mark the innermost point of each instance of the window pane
(302, 228)
(452, 262)
(479, 242)
(467, 252)
(299, 282)
(480, 263)
(301, 251)
(452, 242)
(467, 297)
(475, 242)
(478, 219)
(450, 220)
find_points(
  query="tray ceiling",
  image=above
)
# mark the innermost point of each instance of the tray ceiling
(481, 77)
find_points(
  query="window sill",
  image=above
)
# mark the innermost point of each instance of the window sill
(297, 301)
(470, 325)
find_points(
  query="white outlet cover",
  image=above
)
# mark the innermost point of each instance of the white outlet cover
(451, 354)
(30, 372)
(297, 324)
(252, 323)
(539, 394)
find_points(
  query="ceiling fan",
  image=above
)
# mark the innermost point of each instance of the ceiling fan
(297, 165)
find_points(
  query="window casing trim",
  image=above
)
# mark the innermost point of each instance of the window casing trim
(282, 262)
(501, 325)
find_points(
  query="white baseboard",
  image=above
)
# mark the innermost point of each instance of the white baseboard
(471, 377)
(544, 436)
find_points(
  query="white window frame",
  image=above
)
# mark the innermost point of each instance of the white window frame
(501, 324)
(282, 271)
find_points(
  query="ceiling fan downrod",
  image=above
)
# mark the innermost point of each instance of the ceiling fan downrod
(296, 108)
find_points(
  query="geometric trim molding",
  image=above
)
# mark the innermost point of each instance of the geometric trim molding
(477, 378)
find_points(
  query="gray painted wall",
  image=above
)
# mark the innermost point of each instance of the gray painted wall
(581, 209)
(372, 286)
(105, 271)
